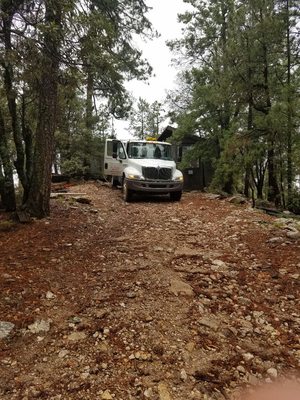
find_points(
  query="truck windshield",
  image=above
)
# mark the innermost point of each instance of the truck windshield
(149, 150)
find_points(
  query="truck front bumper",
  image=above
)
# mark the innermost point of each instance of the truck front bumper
(160, 187)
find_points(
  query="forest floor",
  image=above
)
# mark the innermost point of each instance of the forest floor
(147, 300)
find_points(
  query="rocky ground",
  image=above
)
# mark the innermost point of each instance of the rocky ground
(147, 300)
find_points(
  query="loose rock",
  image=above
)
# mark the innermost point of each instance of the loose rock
(179, 287)
(39, 326)
(76, 336)
(5, 329)
(272, 372)
(106, 395)
(183, 375)
(163, 392)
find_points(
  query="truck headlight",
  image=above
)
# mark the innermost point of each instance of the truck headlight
(179, 178)
(132, 177)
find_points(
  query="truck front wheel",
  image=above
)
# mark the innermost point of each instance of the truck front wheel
(175, 196)
(114, 182)
(127, 193)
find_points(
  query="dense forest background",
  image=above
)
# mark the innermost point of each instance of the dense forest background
(240, 91)
(63, 68)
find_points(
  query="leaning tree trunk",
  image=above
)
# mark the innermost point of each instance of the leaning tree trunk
(38, 202)
(8, 9)
(7, 190)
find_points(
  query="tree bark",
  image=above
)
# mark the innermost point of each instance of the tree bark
(7, 190)
(8, 11)
(289, 107)
(260, 187)
(38, 202)
(28, 141)
(273, 188)
(248, 167)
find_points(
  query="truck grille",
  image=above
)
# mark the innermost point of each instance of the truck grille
(157, 173)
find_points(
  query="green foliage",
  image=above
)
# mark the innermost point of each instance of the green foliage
(294, 205)
(7, 226)
(145, 119)
(74, 166)
(239, 92)
(90, 45)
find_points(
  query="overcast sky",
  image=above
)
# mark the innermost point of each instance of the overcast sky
(164, 19)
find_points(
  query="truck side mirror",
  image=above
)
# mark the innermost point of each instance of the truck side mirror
(114, 155)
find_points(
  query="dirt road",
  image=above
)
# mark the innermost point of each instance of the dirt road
(147, 300)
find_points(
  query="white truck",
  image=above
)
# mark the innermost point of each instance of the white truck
(142, 166)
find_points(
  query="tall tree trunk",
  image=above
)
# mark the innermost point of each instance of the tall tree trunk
(38, 202)
(225, 121)
(28, 141)
(249, 128)
(260, 187)
(8, 11)
(273, 187)
(7, 190)
(289, 107)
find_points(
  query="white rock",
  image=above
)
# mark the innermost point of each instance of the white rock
(106, 331)
(219, 263)
(183, 375)
(241, 369)
(248, 356)
(157, 248)
(272, 372)
(5, 328)
(293, 234)
(39, 326)
(84, 375)
(63, 353)
(148, 393)
(50, 295)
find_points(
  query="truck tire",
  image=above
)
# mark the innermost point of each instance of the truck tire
(175, 196)
(127, 193)
(114, 182)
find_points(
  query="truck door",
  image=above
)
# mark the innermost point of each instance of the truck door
(114, 156)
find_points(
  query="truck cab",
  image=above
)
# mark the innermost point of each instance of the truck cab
(142, 166)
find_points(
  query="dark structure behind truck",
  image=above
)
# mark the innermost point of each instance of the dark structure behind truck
(199, 174)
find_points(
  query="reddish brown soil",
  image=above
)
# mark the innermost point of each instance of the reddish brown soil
(110, 265)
